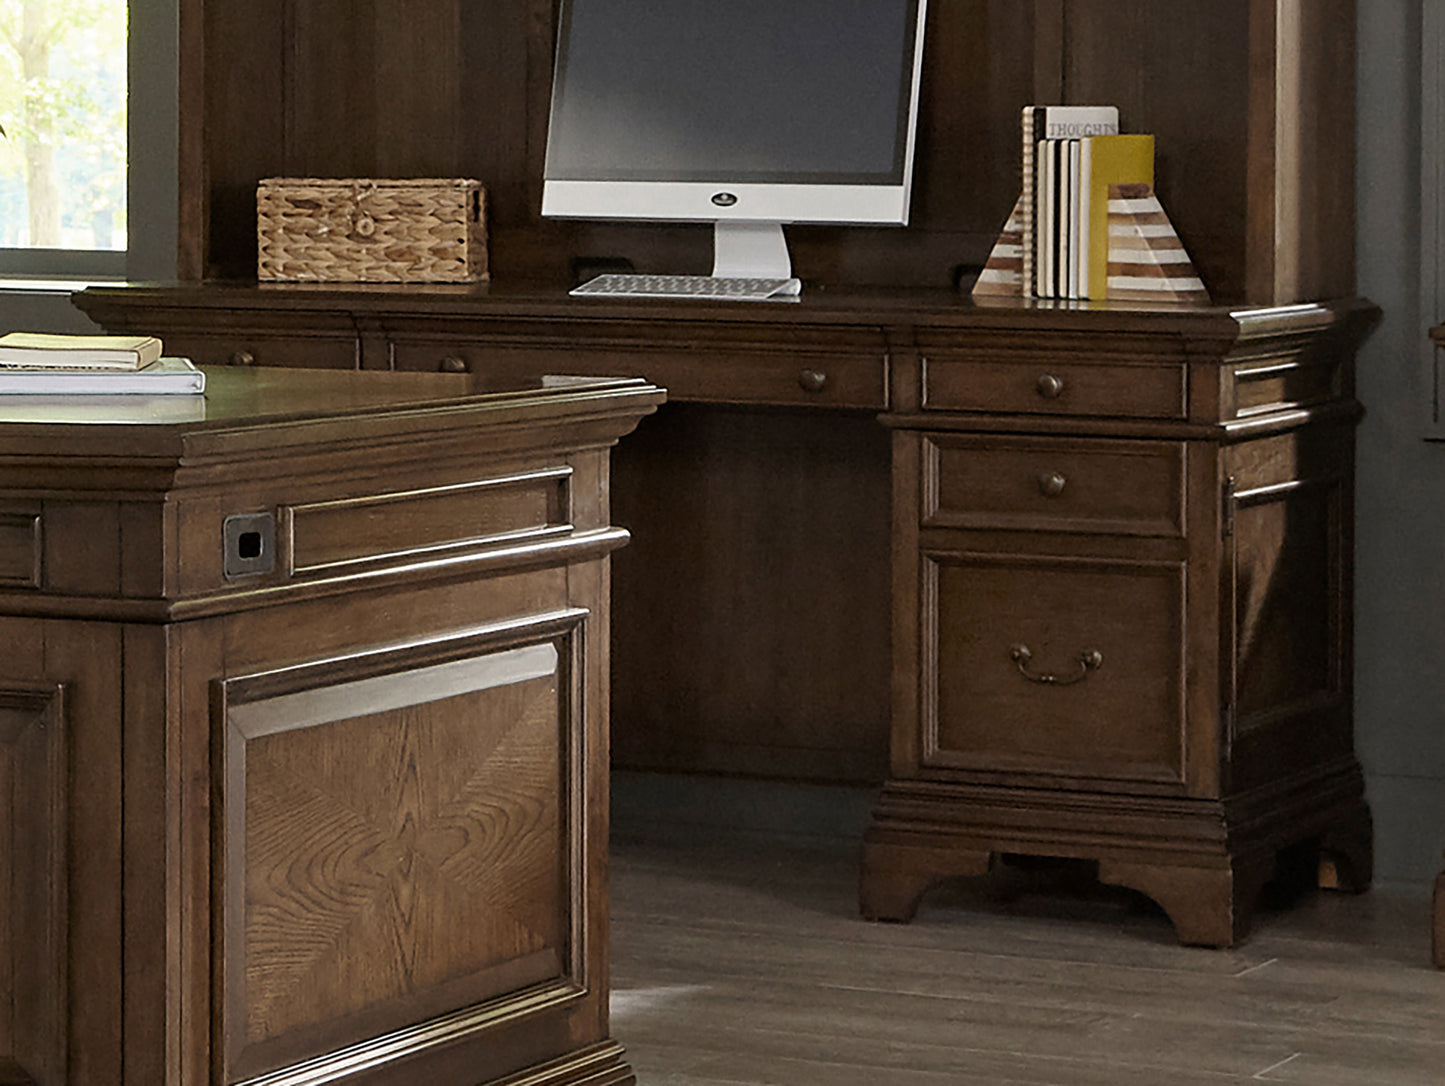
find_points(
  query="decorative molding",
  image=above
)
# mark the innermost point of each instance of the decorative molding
(34, 952)
(320, 856)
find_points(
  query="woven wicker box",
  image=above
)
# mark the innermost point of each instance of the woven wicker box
(357, 230)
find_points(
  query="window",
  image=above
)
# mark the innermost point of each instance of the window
(87, 164)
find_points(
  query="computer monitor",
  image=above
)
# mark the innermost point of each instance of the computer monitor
(744, 113)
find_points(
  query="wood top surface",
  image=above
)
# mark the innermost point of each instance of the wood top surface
(245, 399)
(818, 305)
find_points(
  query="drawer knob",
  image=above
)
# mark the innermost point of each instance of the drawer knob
(812, 380)
(1089, 661)
(1051, 484)
(452, 364)
(242, 358)
(1050, 386)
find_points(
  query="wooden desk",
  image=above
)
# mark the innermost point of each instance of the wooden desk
(1107, 618)
(303, 701)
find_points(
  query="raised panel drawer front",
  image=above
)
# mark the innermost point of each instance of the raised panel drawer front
(399, 860)
(405, 526)
(1062, 667)
(787, 378)
(1053, 484)
(292, 350)
(1052, 385)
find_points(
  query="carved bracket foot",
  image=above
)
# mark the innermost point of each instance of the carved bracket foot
(1347, 853)
(1208, 906)
(894, 877)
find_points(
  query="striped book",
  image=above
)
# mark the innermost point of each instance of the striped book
(1147, 261)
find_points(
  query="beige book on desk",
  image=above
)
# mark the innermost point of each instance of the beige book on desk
(47, 351)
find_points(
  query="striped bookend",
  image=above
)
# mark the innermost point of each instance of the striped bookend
(1003, 274)
(1147, 261)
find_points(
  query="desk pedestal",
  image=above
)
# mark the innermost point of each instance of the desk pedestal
(303, 718)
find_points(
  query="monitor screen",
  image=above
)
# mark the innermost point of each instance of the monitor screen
(705, 109)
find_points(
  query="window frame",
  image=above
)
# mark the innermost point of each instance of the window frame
(152, 125)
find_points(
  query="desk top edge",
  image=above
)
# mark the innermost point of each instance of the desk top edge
(854, 306)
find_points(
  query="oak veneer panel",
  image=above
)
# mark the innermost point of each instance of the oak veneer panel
(300, 347)
(1122, 721)
(477, 797)
(87, 658)
(82, 544)
(397, 852)
(1202, 140)
(1286, 602)
(21, 548)
(33, 898)
(449, 88)
(1030, 381)
(505, 55)
(1249, 172)
(392, 526)
(1054, 485)
(242, 129)
(418, 74)
(750, 628)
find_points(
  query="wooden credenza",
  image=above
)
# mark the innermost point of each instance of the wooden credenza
(303, 732)
(1108, 616)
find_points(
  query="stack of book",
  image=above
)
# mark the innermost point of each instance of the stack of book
(1087, 225)
(33, 363)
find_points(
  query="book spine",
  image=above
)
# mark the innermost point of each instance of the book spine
(1044, 276)
(1086, 226)
(1071, 207)
(1027, 203)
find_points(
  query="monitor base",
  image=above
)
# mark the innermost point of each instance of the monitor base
(750, 250)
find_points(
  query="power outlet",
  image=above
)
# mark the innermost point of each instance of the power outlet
(250, 544)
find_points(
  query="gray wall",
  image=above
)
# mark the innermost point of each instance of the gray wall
(1400, 569)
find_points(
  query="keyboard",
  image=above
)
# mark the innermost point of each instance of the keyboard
(689, 286)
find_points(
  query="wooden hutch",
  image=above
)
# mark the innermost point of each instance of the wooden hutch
(1164, 491)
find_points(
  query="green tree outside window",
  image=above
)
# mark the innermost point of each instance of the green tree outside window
(63, 118)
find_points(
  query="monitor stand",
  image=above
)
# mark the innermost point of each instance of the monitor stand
(752, 250)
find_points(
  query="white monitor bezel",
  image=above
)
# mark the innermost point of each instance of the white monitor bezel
(884, 204)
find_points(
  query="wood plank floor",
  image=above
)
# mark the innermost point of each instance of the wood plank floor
(744, 961)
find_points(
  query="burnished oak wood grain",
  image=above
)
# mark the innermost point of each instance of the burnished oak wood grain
(33, 921)
(1120, 549)
(1257, 174)
(341, 820)
(1148, 669)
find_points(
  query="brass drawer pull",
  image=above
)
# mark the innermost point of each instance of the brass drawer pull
(242, 358)
(1090, 660)
(1050, 387)
(812, 380)
(1051, 484)
(453, 364)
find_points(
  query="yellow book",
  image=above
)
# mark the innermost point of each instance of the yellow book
(1105, 161)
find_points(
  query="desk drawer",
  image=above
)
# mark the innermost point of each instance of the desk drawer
(293, 349)
(1053, 484)
(1065, 667)
(782, 378)
(1054, 386)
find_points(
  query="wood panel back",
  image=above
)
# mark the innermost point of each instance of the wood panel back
(1251, 102)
